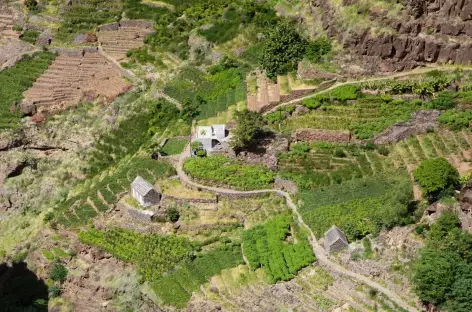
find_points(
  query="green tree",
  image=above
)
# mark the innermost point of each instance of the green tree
(190, 109)
(461, 290)
(58, 272)
(248, 125)
(433, 275)
(163, 113)
(283, 48)
(436, 176)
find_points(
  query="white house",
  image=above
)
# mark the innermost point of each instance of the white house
(144, 192)
(210, 136)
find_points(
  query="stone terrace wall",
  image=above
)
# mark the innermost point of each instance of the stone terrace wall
(313, 135)
(137, 214)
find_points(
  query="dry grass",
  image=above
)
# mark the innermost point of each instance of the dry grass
(177, 189)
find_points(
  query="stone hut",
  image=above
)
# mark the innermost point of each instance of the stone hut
(335, 240)
(144, 192)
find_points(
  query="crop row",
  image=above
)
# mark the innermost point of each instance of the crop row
(16, 80)
(265, 246)
(177, 287)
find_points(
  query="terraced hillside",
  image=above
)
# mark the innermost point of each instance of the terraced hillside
(118, 38)
(74, 76)
(455, 146)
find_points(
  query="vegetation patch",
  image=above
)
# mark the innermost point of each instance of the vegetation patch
(443, 273)
(177, 287)
(154, 255)
(272, 247)
(359, 207)
(222, 170)
(174, 147)
(177, 189)
(322, 164)
(16, 80)
(110, 188)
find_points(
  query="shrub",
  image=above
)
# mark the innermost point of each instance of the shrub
(435, 176)
(383, 150)
(456, 119)
(32, 5)
(172, 214)
(316, 49)
(441, 275)
(58, 272)
(55, 291)
(49, 216)
(339, 153)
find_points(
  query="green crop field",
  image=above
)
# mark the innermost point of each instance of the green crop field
(222, 170)
(174, 147)
(16, 80)
(323, 164)
(359, 207)
(266, 246)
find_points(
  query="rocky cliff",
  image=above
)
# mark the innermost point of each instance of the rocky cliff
(420, 32)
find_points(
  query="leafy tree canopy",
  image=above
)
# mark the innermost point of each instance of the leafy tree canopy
(248, 125)
(436, 175)
(283, 48)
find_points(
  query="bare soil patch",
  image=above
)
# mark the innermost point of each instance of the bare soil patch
(74, 76)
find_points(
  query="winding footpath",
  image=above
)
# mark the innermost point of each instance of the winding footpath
(319, 251)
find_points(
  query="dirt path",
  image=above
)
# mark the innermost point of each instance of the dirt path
(317, 249)
(415, 71)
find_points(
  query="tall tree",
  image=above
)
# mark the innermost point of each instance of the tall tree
(436, 176)
(248, 125)
(283, 48)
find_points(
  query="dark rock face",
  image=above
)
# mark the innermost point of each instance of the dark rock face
(427, 31)
(410, 52)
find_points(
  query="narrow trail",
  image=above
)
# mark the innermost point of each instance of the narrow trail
(416, 71)
(317, 248)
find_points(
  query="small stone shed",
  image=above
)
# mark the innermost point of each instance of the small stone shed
(144, 192)
(335, 240)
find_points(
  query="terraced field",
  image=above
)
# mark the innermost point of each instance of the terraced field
(75, 76)
(263, 93)
(366, 117)
(117, 39)
(104, 191)
(456, 146)
(85, 15)
(314, 289)
(331, 164)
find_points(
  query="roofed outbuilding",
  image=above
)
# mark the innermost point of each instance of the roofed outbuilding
(144, 192)
(335, 240)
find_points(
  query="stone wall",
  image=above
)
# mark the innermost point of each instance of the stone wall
(313, 135)
(183, 200)
(421, 123)
(137, 214)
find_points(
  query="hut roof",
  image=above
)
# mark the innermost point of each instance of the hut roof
(141, 186)
(334, 234)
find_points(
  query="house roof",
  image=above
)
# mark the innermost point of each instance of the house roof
(141, 186)
(210, 131)
(334, 234)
